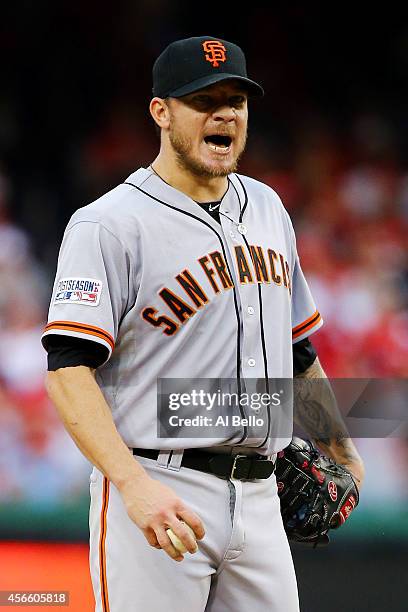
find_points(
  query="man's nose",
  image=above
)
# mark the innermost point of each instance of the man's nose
(225, 113)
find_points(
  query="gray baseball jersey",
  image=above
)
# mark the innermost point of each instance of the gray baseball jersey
(172, 294)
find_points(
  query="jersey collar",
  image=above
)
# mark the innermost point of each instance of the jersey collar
(231, 204)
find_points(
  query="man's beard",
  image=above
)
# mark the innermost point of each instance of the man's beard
(182, 146)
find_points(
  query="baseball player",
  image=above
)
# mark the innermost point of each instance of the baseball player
(185, 270)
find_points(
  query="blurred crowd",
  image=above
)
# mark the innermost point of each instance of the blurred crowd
(38, 462)
(330, 137)
(349, 206)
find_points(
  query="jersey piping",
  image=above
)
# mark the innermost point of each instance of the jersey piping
(231, 276)
(238, 198)
(305, 327)
(262, 332)
(79, 328)
(246, 200)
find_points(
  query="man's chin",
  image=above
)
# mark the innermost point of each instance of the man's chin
(205, 167)
(215, 172)
(212, 169)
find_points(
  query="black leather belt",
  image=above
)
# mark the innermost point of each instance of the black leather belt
(241, 467)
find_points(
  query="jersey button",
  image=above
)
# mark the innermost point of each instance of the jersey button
(251, 310)
(232, 234)
(251, 362)
(242, 229)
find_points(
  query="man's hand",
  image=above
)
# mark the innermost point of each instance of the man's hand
(358, 472)
(88, 419)
(154, 507)
(356, 469)
(343, 452)
(316, 494)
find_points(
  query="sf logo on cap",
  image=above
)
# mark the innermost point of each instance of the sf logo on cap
(215, 52)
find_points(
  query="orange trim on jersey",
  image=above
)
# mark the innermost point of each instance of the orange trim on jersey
(102, 552)
(91, 330)
(306, 325)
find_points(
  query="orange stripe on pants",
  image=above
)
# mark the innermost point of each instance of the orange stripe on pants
(102, 552)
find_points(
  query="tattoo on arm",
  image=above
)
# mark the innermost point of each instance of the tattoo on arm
(316, 411)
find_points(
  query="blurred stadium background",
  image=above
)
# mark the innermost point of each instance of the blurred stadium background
(331, 137)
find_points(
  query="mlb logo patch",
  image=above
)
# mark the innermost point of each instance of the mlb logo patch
(83, 291)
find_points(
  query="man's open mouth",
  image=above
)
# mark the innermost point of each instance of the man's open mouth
(218, 142)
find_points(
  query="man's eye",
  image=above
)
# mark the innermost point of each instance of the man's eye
(237, 101)
(202, 99)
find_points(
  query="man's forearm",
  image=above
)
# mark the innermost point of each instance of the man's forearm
(150, 504)
(87, 418)
(316, 411)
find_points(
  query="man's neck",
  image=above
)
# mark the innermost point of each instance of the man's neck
(198, 188)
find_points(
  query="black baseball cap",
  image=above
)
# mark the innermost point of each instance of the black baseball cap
(194, 63)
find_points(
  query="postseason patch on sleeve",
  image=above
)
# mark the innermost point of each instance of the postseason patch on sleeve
(83, 291)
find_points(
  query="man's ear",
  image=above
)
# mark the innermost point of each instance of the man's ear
(159, 110)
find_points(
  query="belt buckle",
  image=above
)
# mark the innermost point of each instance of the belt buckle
(234, 465)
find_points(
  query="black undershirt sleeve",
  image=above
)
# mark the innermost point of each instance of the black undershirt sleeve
(304, 355)
(69, 352)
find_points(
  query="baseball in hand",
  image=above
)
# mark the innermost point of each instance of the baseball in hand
(177, 543)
